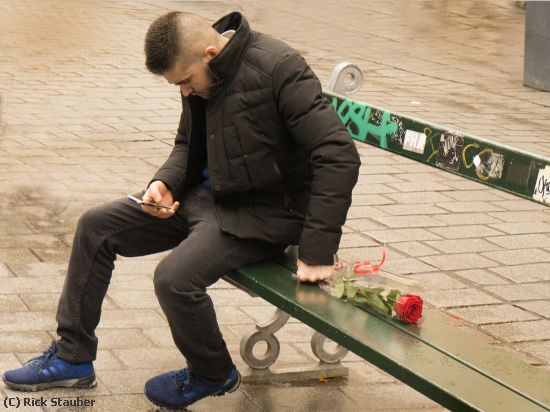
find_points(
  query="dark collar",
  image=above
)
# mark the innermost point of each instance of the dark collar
(225, 63)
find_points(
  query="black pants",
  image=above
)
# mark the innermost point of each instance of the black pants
(201, 255)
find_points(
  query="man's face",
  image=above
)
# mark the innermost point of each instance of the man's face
(193, 79)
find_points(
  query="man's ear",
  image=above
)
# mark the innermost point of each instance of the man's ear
(210, 52)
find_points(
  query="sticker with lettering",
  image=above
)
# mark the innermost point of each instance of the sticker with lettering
(542, 186)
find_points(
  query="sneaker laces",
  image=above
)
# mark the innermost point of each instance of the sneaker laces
(45, 358)
(182, 378)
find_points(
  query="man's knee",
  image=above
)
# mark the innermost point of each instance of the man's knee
(170, 278)
(91, 221)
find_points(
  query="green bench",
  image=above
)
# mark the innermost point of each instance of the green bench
(442, 358)
(459, 370)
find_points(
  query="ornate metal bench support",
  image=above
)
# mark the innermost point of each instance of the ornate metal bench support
(329, 361)
(318, 342)
(264, 333)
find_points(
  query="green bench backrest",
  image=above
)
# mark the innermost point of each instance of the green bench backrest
(504, 167)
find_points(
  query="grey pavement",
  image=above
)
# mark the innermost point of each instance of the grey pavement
(82, 122)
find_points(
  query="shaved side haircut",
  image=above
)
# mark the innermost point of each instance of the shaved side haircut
(177, 38)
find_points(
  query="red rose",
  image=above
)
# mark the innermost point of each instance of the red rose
(409, 308)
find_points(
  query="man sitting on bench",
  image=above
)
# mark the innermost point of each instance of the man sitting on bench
(260, 161)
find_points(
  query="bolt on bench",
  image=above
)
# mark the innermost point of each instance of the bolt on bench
(441, 358)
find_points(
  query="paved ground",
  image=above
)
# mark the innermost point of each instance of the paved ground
(82, 122)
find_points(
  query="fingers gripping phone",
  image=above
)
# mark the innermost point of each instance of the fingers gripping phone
(143, 202)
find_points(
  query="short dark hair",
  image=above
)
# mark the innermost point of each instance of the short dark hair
(162, 43)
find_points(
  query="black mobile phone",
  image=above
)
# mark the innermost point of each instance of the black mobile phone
(143, 202)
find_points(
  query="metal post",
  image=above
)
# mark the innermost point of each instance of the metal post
(536, 71)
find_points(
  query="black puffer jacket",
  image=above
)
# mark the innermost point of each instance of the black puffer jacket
(281, 164)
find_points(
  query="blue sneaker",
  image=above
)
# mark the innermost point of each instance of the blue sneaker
(49, 371)
(179, 389)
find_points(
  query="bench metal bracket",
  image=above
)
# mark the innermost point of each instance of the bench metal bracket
(318, 342)
(329, 361)
(346, 78)
(264, 332)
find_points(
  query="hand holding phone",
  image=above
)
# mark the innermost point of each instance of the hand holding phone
(143, 202)
(158, 200)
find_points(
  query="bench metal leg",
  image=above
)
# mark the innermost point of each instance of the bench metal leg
(318, 342)
(264, 333)
(328, 367)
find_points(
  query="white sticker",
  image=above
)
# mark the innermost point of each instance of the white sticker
(542, 187)
(414, 141)
(477, 160)
(490, 165)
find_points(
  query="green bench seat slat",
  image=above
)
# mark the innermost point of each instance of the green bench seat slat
(446, 335)
(408, 356)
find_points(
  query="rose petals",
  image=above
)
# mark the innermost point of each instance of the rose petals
(409, 308)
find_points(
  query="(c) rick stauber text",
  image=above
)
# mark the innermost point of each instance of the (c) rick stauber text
(22, 401)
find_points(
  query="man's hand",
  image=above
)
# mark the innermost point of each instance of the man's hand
(157, 192)
(312, 273)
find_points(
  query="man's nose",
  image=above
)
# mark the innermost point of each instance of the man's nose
(185, 90)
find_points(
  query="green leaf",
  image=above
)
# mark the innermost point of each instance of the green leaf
(394, 295)
(339, 289)
(359, 300)
(389, 307)
(376, 291)
(351, 291)
(377, 304)
(366, 292)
